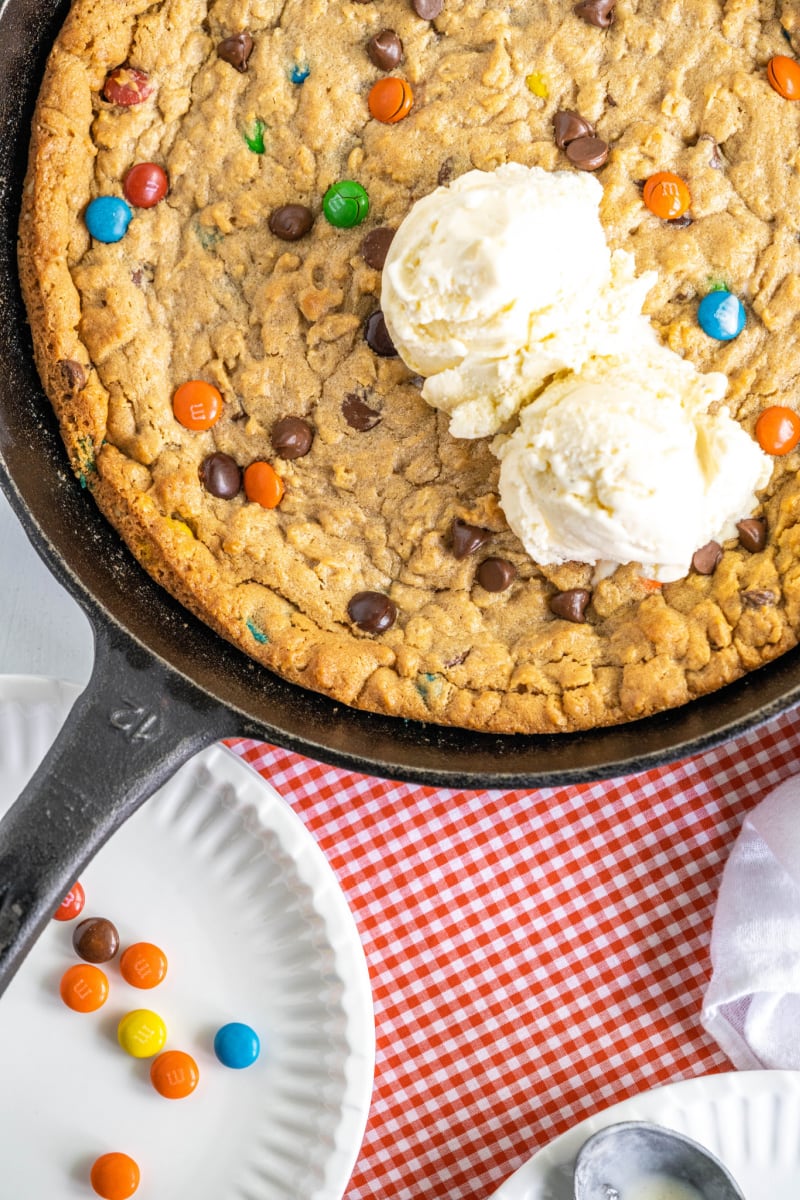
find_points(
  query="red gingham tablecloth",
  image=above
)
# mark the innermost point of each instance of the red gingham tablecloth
(535, 955)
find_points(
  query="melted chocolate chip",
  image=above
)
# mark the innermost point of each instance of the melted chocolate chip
(758, 598)
(95, 940)
(385, 50)
(372, 611)
(375, 246)
(236, 50)
(496, 574)
(291, 221)
(221, 475)
(571, 605)
(753, 533)
(715, 160)
(568, 126)
(588, 153)
(73, 375)
(291, 437)
(681, 222)
(358, 414)
(445, 172)
(466, 539)
(706, 558)
(428, 9)
(377, 335)
(596, 12)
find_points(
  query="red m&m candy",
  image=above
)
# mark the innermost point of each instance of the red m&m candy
(127, 86)
(71, 905)
(145, 184)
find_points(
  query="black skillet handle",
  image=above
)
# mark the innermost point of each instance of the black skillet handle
(135, 724)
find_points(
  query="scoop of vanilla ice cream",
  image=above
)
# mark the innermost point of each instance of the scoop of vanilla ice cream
(624, 463)
(502, 279)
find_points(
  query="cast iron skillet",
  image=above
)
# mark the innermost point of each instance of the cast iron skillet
(164, 685)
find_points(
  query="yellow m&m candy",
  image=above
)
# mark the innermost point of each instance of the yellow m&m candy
(142, 1033)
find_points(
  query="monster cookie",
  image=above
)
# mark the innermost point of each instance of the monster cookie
(214, 253)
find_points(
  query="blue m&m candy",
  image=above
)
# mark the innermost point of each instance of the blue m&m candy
(721, 315)
(236, 1045)
(107, 218)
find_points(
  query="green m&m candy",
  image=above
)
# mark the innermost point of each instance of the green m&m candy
(345, 204)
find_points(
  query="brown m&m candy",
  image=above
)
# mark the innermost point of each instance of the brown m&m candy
(372, 611)
(570, 604)
(95, 940)
(291, 221)
(291, 437)
(385, 50)
(466, 538)
(236, 50)
(221, 475)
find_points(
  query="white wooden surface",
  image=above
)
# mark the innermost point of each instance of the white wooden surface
(42, 630)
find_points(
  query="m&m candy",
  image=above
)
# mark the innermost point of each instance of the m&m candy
(345, 204)
(174, 1074)
(107, 218)
(197, 404)
(114, 1176)
(390, 100)
(142, 1033)
(127, 86)
(263, 485)
(783, 74)
(72, 904)
(721, 315)
(84, 988)
(143, 965)
(145, 184)
(236, 1045)
(666, 195)
(95, 940)
(778, 430)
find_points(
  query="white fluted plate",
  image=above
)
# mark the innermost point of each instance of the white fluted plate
(749, 1119)
(218, 871)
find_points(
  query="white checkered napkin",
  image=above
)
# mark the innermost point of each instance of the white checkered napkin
(534, 956)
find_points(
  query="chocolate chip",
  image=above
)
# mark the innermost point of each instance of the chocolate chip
(236, 50)
(681, 222)
(716, 160)
(428, 9)
(95, 940)
(72, 374)
(375, 246)
(596, 12)
(445, 172)
(291, 437)
(588, 153)
(467, 538)
(221, 475)
(358, 414)
(372, 611)
(571, 605)
(496, 574)
(753, 533)
(377, 335)
(385, 50)
(569, 125)
(758, 598)
(706, 558)
(291, 221)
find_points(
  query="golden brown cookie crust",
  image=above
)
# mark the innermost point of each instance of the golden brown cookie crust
(200, 288)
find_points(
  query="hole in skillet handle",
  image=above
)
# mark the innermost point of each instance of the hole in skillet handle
(128, 732)
(639, 1160)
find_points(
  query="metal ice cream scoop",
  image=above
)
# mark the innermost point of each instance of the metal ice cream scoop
(636, 1160)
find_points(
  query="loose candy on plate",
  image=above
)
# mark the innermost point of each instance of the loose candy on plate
(95, 940)
(84, 987)
(174, 1074)
(115, 1176)
(237, 1045)
(142, 1033)
(72, 904)
(143, 965)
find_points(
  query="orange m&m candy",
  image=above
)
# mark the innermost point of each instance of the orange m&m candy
(666, 195)
(778, 430)
(72, 904)
(143, 965)
(784, 75)
(174, 1074)
(84, 988)
(114, 1176)
(263, 485)
(197, 404)
(390, 100)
